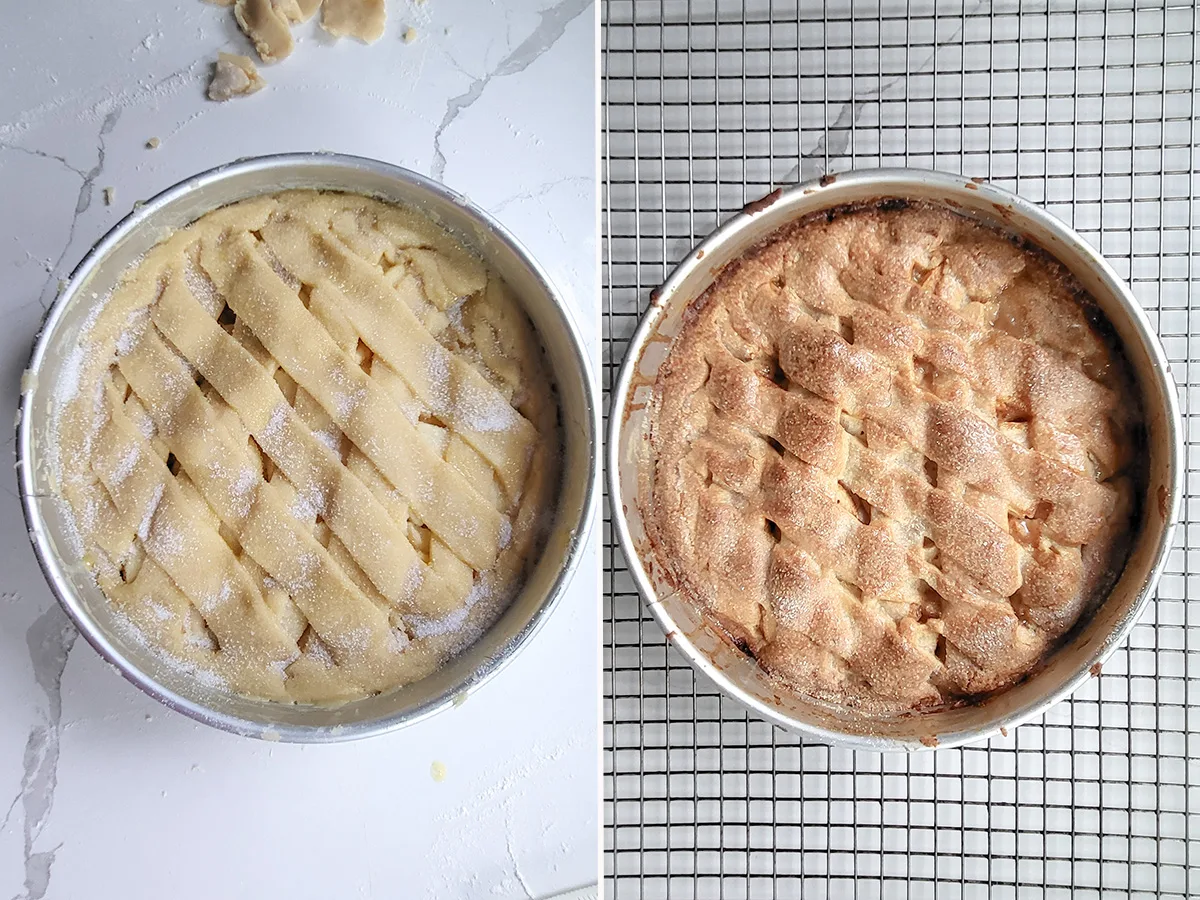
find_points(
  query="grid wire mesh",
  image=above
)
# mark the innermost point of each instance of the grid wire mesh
(1089, 110)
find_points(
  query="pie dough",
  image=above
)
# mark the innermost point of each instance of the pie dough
(267, 25)
(896, 457)
(233, 75)
(298, 10)
(363, 19)
(310, 445)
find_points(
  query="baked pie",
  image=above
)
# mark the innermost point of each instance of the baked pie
(896, 457)
(310, 445)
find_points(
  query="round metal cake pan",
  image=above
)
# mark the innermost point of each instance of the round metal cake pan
(46, 514)
(629, 458)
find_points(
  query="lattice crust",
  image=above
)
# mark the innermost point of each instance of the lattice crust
(894, 457)
(312, 447)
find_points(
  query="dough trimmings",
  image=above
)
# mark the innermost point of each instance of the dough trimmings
(233, 76)
(895, 456)
(310, 445)
(268, 25)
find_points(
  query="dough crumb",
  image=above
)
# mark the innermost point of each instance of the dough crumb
(410, 34)
(233, 76)
(437, 771)
(153, 143)
(266, 26)
(363, 19)
(110, 194)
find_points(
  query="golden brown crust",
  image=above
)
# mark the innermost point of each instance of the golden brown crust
(895, 456)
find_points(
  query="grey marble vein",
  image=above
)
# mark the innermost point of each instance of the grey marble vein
(835, 142)
(49, 639)
(83, 201)
(553, 23)
(41, 154)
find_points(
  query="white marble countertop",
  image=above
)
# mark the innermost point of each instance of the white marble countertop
(113, 795)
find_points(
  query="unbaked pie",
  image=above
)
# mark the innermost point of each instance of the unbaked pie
(310, 444)
(895, 457)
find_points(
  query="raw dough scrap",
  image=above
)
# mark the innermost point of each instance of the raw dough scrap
(363, 19)
(298, 10)
(233, 76)
(267, 26)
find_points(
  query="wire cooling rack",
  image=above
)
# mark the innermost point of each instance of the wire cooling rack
(1089, 110)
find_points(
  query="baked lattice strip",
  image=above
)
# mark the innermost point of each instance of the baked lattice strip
(955, 439)
(918, 509)
(896, 658)
(1039, 365)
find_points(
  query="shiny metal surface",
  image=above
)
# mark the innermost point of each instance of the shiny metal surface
(96, 275)
(739, 676)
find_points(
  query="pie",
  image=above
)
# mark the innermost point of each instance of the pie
(310, 445)
(896, 457)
